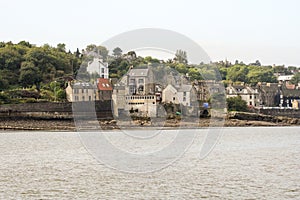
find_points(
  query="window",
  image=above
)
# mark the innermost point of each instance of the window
(173, 98)
(250, 96)
(184, 93)
(141, 80)
(90, 98)
(141, 88)
(83, 99)
(76, 98)
(102, 70)
(184, 98)
(250, 103)
(82, 90)
(132, 81)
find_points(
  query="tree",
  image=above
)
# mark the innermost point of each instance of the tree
(117, 52)
(296, 78)
(237, 73)
(29, 75)
(181, 57)
(61, 47)
(260, 74)
(3, 83)
(236, 104)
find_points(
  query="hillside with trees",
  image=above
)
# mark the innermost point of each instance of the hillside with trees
(30, 73)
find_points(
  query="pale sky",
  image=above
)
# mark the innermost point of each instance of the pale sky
(247, 30)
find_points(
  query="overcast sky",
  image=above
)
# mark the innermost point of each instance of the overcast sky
(247, 30)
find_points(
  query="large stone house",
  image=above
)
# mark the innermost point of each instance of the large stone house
(138, 96)
(247, 93)
(81, 91)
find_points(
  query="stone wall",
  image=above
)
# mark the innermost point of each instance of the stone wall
(49, 110)
(281, 112)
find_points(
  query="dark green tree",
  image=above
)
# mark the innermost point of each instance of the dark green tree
(29, 75)
(296, 78)
(236, 104)
(117, 52)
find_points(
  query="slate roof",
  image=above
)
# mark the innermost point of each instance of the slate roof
(83, 85)
(138, 72)
(184, 88)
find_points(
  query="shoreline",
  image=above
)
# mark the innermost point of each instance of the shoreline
(29, 124)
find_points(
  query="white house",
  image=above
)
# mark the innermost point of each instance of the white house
(284, 78)
(247, 93)
(97, 65)
(182, 94)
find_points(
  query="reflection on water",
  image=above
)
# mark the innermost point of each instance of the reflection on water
(247, 163)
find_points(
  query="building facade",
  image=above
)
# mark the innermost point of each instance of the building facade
(105, 89)
(98, 66)
(81, 91)
(247, 93)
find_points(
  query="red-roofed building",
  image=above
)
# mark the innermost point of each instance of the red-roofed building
(104, 88)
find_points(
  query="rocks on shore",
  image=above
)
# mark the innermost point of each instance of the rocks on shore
(232, 119)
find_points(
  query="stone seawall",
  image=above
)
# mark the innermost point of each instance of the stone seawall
(293, 113)
(51, 110)
(264, 118)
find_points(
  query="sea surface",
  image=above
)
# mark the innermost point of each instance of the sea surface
(246, 163)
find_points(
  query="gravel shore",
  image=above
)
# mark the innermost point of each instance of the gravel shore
(69, 125)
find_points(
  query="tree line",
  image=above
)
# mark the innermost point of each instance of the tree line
(44, 70)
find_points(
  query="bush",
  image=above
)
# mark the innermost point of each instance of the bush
(236, 104)
(4, 98)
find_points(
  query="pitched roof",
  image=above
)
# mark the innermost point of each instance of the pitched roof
(104, 84)
(83, 85)
(184, 88)
(138, 72)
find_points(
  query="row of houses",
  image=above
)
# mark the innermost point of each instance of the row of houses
(280, 95)
(139, 91)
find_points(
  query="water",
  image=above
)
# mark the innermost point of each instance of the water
(247, 163)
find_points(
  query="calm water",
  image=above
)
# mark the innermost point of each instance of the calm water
(247, 163)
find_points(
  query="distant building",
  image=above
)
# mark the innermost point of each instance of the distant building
(81, 92)
(269, 94)
(248, 94)
(183, 94)
(284, 78)
(288, 95)
(118, 99)
(98, 66)
(205, 88)
(104, 89)
(296, 104)
(136, 94)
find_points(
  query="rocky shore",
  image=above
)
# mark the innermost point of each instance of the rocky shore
(232, 119)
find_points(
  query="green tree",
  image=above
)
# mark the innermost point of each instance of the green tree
(181, 56)
(3, 83)
(236, 104)
(29, 75)
(117, 52)
(260, 74)
(296, 78)
(237, 73)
